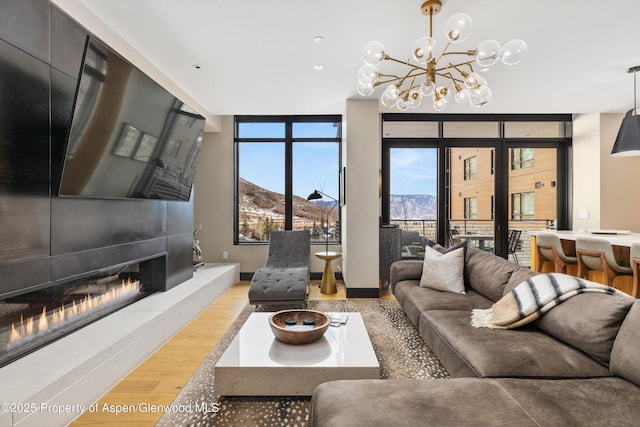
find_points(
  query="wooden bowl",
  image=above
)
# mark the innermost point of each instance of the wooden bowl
(299, 333)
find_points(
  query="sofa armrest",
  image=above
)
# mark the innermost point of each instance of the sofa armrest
(404, 270)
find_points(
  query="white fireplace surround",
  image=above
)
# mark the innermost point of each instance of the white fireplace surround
(78, 369)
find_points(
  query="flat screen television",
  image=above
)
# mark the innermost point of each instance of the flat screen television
(129, 137)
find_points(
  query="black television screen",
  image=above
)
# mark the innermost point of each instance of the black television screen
(129, 137)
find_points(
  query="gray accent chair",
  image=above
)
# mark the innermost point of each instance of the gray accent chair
(284, 278)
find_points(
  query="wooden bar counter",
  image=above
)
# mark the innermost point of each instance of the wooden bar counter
(620, 240)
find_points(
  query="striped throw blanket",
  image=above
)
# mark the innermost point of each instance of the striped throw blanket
(534, 297)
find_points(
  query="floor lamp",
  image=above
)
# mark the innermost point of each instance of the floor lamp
(316, 195)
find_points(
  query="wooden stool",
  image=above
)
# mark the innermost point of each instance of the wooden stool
(549, 247)
(597, 254)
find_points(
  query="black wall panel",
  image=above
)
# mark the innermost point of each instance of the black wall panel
(27, 25)
(45, 238)
(67, 43)
(179, 259)
(24, 155)
(20, 277)
(180, 217)
(78, 264)
(81, 224)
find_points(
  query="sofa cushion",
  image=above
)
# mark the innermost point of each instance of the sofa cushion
(523, 352)
(519, 275)
(487, 273)
(578, 324)
(443, 271)
(414, 300)
(406, 402)
(625, 355)
(592, 402)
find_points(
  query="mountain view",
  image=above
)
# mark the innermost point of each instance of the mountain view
(413, 206)
(262, 210)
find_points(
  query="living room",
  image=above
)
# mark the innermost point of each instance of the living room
(599, 183)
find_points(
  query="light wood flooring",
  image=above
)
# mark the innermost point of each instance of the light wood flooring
(159, 379)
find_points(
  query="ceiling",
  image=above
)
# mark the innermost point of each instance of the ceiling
(258, 56)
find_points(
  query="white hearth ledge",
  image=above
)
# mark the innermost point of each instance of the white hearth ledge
(81, 367)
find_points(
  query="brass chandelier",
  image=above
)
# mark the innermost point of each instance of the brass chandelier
(436, 77)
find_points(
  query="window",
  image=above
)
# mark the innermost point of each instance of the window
(470, 207)
(470, 168)
(522, 158)
(522, 206)
(280, 161)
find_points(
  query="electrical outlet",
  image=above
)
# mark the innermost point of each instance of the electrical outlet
(584, 214)
(225, 255)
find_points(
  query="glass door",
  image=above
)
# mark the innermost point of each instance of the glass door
(471, 197)
(533, 195)
(413, 200)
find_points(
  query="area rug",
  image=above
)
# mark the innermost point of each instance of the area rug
(397, 344)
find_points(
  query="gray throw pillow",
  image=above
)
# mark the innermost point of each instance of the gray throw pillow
(443, 271)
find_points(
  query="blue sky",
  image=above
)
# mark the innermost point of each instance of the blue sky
(413, 171)
(315, 164)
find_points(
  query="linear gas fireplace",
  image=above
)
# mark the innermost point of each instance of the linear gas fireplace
(32, 320)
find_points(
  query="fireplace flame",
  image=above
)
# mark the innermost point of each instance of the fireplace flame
(44, 323)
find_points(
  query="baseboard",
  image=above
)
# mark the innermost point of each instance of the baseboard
(363, 292)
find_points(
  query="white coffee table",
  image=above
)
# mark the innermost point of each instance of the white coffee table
(256, 364)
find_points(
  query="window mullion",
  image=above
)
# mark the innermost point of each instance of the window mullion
(288, 177)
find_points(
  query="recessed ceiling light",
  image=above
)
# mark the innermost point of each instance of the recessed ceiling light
(318, 39)
(318, 67)
(196, 66)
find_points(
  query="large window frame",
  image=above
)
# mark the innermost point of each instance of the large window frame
(289, 141)
(434, 136)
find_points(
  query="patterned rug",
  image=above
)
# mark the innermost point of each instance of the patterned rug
(397, 344)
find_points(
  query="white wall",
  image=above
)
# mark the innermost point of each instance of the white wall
(620, 178)
(602, 184)
(363, 207)
(586, 170)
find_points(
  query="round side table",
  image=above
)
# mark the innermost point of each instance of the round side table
(328, 286)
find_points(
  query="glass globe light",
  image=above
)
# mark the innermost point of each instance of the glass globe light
(481, 97)
(422, 50)
(367, 74)
(458, 28)
(514, 51)
(488, 53)
(439, 103)
(389, 97)
(373, 53)
(415, 98)
(392, 91)
(427, 88)
(480, 82)
(471, 80)
(365, 89)
(462, 95)
(387, 100)
(402, 105)
(444, 93)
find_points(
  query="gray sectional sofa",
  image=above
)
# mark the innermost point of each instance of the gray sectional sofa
(578, 365)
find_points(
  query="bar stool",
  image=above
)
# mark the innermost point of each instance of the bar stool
(549, 247)
(634, 259)
(597, 254)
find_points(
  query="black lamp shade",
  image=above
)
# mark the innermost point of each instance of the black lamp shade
(315, 195)
(628, 139)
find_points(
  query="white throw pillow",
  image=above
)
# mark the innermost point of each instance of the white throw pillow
(443, 271)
